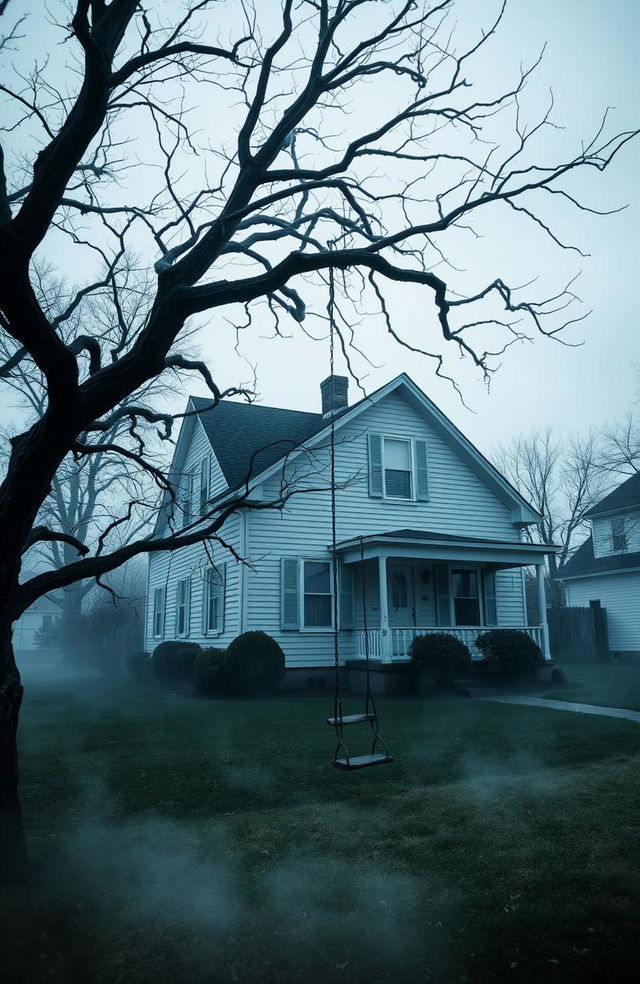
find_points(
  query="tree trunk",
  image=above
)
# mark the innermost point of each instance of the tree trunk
(13, 855)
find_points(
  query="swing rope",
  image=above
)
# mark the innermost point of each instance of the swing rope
(344, 760)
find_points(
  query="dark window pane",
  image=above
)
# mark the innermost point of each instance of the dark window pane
(467, 611)
(317, 578)
(398, 590)
(317, 610)
(397, 483)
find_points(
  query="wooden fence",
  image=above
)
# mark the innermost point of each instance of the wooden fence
(578, 635)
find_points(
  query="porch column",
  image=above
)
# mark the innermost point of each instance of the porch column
(385, 634)
(542, 608)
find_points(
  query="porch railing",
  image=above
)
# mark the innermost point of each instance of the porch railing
(401, 638)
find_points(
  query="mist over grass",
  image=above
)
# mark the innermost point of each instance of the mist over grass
(175, 838)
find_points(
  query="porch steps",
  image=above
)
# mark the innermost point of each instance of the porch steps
(362, 761)
(351, 719)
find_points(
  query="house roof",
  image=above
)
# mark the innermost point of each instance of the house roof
(583, 563)
(248, 437)
(624, 497)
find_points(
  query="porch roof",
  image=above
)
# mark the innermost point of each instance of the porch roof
(426, 544)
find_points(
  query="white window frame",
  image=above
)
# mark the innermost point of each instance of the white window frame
(186, 499)
(212, 630)
(301, 595)
(452, 604)
(159, 610)
(186, 604)
(412, 453)
(623, 534)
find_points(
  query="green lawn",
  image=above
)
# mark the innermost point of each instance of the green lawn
(604, 684)
(177, 839)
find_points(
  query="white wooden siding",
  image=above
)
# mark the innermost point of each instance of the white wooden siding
(166, 569)
(459, 503)
(602, 539)
(620, 595)
(510, 602)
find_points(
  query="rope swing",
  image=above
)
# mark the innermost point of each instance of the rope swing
(379, 753)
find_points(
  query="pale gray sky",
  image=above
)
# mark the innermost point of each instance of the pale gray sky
(590, 63)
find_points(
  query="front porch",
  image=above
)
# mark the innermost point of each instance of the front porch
(400, 639)
(409, 583)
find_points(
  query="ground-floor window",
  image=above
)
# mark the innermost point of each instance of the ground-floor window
(182, 607)
(213, 600)
(317, 608)
(466, 597)
(159, 596)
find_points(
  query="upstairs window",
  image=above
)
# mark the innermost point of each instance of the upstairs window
(397, 467)
(205, 469)
(186, 498)
(618, 535)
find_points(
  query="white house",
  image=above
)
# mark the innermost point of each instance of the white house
(606, 567)
(429, 533)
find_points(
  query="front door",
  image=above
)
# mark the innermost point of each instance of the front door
(401, 595)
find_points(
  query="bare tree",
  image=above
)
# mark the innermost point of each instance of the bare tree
(620, 456)
(562, 480)
(301, 186)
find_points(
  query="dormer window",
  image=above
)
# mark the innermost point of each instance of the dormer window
(618, 535)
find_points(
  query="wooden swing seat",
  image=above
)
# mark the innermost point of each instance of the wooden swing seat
(361, 761)
(351, 719)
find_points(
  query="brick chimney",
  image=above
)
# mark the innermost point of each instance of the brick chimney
(334, 394)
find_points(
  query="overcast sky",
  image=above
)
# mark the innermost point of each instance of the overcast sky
(590, 63)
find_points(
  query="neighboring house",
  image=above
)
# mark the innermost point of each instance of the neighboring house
(606, 567)
(429, 533)
(41, 615)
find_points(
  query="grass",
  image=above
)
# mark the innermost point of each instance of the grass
(604, 684)
(181, 839)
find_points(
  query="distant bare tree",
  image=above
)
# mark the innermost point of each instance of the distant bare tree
(620, 455)
(279, 185)
(562, 480)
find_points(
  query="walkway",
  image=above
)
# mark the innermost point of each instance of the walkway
(568, 705)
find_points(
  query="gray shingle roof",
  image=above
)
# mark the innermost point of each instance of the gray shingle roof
(583, 562)
(248, 437)
(625, 496)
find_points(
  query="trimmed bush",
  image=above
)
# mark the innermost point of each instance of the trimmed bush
(436, 658)
(557, 675)
(512, 652)
(139, 666)
(253, 665)
(173, 662)
(207, 671)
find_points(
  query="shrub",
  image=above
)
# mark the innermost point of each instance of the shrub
(439, 655)
(511, 651)
(139, 666)
(207, 671)
(558, 675)
(173, 662)
(253, 665)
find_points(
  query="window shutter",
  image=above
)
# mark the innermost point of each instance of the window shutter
(205, 600)
(346, 596)
(221, 571)
(187, 608)
(375, 465)
(490, 610)
(443, 608)
(289, 618)
(422, 482)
